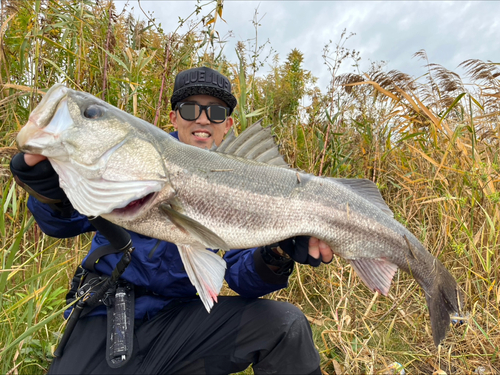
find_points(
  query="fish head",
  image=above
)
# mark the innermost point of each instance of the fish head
(106, 159)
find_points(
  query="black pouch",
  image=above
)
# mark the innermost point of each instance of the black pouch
(120, 335)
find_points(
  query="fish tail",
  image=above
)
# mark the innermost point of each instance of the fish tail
(205, 270)
(443, 298)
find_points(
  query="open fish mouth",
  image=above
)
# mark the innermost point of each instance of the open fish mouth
(45, 124)
(135, 207)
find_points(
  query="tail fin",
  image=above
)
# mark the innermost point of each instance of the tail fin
(443, 298)
(205, 270)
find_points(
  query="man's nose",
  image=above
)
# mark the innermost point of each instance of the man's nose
(203, 119)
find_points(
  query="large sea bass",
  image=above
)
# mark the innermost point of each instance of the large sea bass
(133, 174)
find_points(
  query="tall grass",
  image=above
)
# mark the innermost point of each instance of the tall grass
(430, 143)
(431, 147)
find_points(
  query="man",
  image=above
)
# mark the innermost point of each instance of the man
(173, 332)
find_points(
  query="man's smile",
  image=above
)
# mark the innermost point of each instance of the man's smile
(201, 134)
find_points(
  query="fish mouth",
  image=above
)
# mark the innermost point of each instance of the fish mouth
(46, 121)
(135, 208)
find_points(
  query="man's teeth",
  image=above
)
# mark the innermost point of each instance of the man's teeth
(201, 134)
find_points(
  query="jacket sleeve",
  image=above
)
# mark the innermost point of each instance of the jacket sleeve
(249, 276)
(54, 225)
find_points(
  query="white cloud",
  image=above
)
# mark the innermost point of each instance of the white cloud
(450, 32)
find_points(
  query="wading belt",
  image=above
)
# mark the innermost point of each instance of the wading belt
(116, 294)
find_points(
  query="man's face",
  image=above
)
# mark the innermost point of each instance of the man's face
(201, 132)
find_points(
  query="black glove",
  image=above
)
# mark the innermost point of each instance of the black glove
(298, 249)
(42, 182)
(271, 258)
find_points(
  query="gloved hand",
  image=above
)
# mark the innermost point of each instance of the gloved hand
(298, 249)
(42, 182)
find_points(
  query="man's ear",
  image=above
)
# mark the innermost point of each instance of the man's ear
(173, 119)
(229, 123)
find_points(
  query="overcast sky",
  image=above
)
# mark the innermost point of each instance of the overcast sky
(449, 31)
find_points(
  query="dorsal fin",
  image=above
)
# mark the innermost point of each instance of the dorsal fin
(366, 189)
(235, 142)
(255, 143)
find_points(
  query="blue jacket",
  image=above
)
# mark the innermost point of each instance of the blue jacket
(156, 265)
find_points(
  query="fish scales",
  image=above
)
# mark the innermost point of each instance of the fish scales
(137, 176)
(271, 199)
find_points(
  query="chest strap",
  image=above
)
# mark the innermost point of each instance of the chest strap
(93, 257)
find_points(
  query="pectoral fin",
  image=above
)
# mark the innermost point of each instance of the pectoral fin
(198, 231)
(205, 270)
(377, 274)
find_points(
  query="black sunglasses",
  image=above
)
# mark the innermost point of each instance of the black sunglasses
(192, 111)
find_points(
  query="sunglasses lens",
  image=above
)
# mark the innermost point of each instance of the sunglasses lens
(217, 113)
(189, 112)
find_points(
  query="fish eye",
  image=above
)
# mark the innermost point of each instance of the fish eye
(93, 111)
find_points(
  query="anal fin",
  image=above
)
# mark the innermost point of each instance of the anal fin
(205, 270)
(377, 274)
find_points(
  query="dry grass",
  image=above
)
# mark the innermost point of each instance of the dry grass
(432, 149)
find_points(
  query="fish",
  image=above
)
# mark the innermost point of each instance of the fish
(241, 194)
